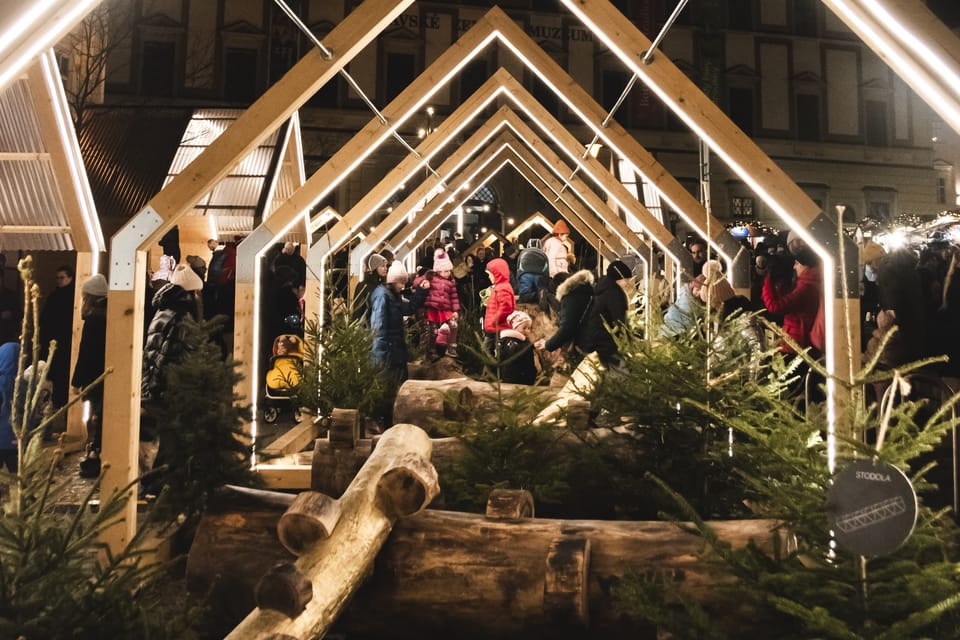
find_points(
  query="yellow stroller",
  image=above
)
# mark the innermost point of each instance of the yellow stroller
(284, 376)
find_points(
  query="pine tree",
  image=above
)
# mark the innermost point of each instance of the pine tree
(57, 580)
(778, 458)
(200, 426)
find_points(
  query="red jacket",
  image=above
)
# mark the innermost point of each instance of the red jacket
(502, 301)
(799, 306)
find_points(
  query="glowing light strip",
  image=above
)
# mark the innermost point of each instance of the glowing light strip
(50, 32)
(529, 222)
(828, 265)
(71, 147)
(448, 170)
(627, 242)
(598, 131)
(912, 72)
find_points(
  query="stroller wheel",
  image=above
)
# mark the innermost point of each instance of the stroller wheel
(297, 415)
(270, 414)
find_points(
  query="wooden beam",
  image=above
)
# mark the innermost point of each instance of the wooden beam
(295, 439)
(128, 269)
(56, 140)
(533, 169)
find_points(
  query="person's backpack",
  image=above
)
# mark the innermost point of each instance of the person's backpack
(533, 260)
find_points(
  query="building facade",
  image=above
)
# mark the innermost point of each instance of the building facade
(787, 72)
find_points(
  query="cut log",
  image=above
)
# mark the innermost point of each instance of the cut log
(332, 470)
(310, 518)
(284, 589)
(344, 428)
(509, 504)
(408, 486)
(337, 565)
(430, 402)
(446, 574)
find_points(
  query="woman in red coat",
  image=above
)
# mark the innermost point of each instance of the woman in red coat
(501, 304)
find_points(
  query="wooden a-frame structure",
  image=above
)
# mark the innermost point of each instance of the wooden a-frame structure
(357, 29)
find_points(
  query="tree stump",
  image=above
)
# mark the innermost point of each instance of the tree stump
(408, 486)
(509, 504)
(344, 428)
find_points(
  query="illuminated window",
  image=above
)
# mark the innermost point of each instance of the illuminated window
(741, 207)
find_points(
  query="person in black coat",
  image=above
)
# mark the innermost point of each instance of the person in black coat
(609, 310)
(575, 295)
(518, 365)
(56, 323)
(90, 363)
(387, 310)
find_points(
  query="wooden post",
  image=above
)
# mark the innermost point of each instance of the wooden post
(337, 565)
(344, 428)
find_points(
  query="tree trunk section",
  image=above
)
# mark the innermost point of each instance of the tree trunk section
(310, 518)
(448, 574)
(337, 565)
(430, 402)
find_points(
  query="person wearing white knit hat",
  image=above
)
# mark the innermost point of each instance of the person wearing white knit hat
(387, 310)
(90, 365)
(516, 351)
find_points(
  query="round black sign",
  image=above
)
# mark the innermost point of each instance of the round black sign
(871, 507)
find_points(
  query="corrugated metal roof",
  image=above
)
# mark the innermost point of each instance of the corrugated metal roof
(127, 151)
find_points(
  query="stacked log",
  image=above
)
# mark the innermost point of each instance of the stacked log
(302, 599)
(447, 574)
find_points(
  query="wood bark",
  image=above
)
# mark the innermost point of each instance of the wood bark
(510, 504)
(310, 518)
(448, 574)
(429, 402)
(337, 565)
(284, 589)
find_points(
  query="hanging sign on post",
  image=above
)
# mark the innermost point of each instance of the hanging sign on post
(872, 508)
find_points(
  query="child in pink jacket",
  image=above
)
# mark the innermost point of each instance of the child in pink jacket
(443, 306)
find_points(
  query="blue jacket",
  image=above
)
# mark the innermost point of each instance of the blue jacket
(387, 310)
(9, 353)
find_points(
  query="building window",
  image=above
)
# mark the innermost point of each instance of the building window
(875, 123)
(741, 109)
(941, 190)
(740, 15)
(881, 203)
(805, 17)
(157, 68)
(472, 77)
(614, 82)
(742, 208)
(240, 75)
(401, 72)
(808, 116)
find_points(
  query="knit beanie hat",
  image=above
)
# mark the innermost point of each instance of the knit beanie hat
(618, 270)
(441, 262)
(186, 278)
(96, 286)
(167, 263)
(397, 273)
(375, 261)
(561, 227)
(518, 318)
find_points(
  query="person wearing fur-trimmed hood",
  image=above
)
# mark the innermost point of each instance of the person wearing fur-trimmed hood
(575, 295)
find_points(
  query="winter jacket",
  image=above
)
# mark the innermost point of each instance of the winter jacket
(9, 354)
(442, 295)
(609, 308)
(502, 302)
(90, 355)
(387, 309)
(516, 356)
(798, 306)
(575, 295)
(557, 253)
(528, 287)
(901, 291)
(165, 344)
(681, 316)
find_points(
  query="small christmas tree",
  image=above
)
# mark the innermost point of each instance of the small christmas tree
(200, 426)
